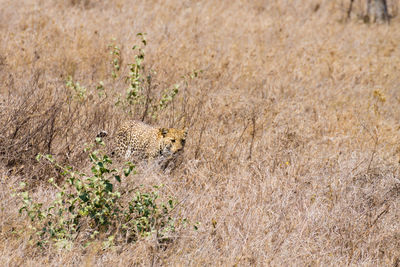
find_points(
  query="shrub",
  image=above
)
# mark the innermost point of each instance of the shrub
(140, 97)
(89, 207)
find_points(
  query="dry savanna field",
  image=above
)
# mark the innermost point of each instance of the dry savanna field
(293, 118)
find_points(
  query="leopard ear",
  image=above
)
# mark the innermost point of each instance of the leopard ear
(163, 131)
(185, 131)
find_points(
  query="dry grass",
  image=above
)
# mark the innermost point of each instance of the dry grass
(293, 149)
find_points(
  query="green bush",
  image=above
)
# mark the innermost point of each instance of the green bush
(140, 97)
(88, 207)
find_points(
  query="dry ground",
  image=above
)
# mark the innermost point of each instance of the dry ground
(294, 125)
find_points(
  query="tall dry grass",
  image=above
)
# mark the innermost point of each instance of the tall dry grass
(293, 149)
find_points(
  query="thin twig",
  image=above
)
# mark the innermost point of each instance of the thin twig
(253, 133)
(350, 9)
(197, 151)
(240, 137)
(374, 137)
(146, 106)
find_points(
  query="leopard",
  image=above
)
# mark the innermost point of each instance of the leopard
(137, 141)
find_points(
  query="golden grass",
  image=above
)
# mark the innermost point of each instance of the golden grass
(292, 155)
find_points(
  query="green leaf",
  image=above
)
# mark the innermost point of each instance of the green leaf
(38, 157)
(109, 186)
(71, 208)
(84, 197)
(22, 185)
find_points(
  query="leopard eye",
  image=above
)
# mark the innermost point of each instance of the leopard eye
(173, 140)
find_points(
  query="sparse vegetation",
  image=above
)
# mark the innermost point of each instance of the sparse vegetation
(88, 208)
(292, 155)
